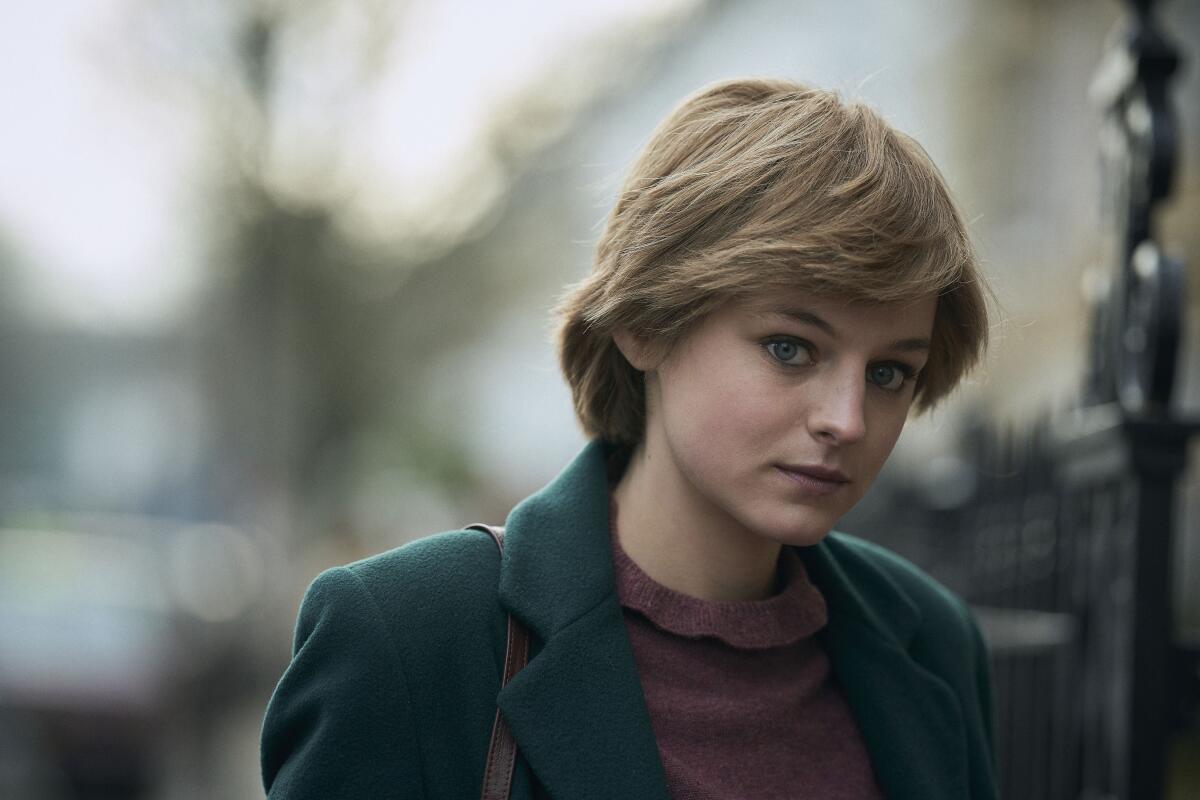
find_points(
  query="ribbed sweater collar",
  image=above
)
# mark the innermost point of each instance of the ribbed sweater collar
(795, 612)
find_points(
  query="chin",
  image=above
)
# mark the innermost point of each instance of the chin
(786, 529)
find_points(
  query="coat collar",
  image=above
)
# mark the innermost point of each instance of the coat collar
(910, 718)
(577, 709)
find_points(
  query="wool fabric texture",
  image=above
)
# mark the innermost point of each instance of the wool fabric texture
(741, 695)
(393, 683)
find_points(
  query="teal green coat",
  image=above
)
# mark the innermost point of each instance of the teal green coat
(395, 674)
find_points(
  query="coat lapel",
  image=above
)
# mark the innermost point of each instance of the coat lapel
(576, 710)
(910, 718)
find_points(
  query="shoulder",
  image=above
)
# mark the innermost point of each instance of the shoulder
(382, 648)
(420, 585)
(427, 604)
(877, 573)
(436, 568)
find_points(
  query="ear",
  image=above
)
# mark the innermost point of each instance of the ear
(641, 353)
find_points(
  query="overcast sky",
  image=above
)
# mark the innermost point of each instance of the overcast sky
(98, 173)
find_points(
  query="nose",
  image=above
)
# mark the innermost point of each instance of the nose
(838, 413)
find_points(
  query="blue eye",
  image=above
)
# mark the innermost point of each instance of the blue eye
(792, 352)
(891, 377)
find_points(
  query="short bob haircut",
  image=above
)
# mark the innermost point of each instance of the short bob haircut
(751, 185)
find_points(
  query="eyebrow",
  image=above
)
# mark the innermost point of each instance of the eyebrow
(912, 345)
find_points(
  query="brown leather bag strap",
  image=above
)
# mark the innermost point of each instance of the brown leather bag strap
(502, 751)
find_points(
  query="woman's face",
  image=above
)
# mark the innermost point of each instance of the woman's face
(777, 412)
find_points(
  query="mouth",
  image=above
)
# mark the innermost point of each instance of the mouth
(814, 478)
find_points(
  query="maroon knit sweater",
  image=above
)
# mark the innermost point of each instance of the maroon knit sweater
(741, 696)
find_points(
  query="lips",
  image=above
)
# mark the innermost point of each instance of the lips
(814, 478)
(817, 471)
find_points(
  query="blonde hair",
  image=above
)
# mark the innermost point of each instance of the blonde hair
(751, 185)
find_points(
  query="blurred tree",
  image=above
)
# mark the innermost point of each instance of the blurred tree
(303, 354)
(315, 346)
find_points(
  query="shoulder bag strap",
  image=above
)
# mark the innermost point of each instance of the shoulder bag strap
(502, 752)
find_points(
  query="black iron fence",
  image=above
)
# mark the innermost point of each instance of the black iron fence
(1072, 529)
(1069, 571)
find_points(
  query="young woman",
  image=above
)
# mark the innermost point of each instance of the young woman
(783, 278)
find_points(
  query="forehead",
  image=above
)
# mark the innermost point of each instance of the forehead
(784, 301)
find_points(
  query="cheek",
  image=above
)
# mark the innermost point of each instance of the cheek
(724, 411)
(888, 427)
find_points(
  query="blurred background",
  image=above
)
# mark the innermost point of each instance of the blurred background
(275, 281)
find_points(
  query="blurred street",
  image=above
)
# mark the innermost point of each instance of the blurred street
(275, 292)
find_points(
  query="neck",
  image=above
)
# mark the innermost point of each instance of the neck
(683, 541)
